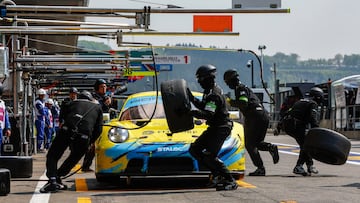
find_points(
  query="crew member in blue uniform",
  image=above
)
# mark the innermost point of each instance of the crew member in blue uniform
(5, 127)
(40, 116)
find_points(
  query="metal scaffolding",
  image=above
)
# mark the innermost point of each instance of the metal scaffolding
(30, 69)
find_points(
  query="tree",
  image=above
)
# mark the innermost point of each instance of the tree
(91, 45)
(338, 59)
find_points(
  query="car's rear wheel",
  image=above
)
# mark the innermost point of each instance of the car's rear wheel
(327, 146)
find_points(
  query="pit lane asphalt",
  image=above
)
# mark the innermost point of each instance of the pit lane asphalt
(332, 184)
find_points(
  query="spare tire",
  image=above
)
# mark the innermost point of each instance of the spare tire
(19, 166)
(327, 146)
(177, 105)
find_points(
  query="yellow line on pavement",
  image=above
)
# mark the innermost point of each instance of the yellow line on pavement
(80, 184)
(76, 167)
(353, 158)
(245, 184)
(84, 200)
(288, 201)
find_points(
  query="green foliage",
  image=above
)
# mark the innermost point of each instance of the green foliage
(289, 68)
(91, 45)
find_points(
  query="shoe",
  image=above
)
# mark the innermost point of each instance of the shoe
(274, 153)
(51, 186)
(60, 185)
(258, 172)
(226, 185)
(312, 169)
(214, 181)
(299, 170)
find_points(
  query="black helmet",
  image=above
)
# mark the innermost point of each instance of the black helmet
(99, 82)
(86, 95)
(230, 74)
(206, 71)
(231, 78)
(316, 92)
(73, 90)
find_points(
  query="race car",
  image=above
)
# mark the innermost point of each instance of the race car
(139, 143)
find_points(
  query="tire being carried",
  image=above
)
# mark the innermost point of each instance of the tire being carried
(327, 146)
(176, 104)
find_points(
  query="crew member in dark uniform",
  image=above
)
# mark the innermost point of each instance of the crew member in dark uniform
(213, 109)
(100, 88)
(295, 123)
(256, 120)
(73, 92)
(82, 126)
(104, 100)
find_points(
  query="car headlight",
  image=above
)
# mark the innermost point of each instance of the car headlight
(118, 135)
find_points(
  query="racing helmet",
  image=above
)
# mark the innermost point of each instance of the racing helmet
(98, 83)
(73, 90)
(41, 91)
(317, 94)
(205, 71)
(231, 78)
(230, 75)
(86, 95)
(205, 75)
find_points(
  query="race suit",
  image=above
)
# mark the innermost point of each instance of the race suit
(206, 147)
(40, 114)
(4, 121)
(303, 113)
(256, 122)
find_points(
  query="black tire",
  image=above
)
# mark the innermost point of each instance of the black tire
(5, 177)
(177, 105)
(327, 146)
(19, 166)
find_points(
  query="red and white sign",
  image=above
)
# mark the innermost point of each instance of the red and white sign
(173, 59)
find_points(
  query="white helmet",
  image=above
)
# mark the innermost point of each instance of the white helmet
(41, 91)
(50, 101)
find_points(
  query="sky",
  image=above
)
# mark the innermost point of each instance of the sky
(313, 29)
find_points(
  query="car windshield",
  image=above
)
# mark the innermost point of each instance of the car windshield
(142, 108)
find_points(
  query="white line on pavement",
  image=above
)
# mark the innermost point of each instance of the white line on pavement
(40, 197)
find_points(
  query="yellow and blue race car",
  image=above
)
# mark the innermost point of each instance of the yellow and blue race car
(139, 143)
